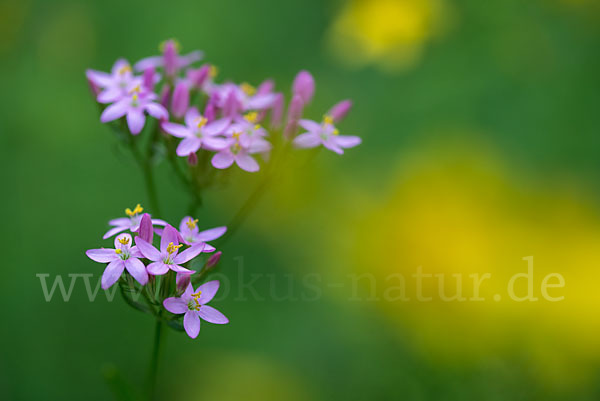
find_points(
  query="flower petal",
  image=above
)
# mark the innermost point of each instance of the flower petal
(102, 255)
(191, 323)
(169, 235)
(246, 162)
(180, 269)
(157, 268)
(112, 273)
(344, 141)
(208, 291)
(175, 305)
(211, 234)
(155, 61)
(188, 145)
(147, 249)
(216, 127)
(136, 268)
(157, 111)
(189, 253)
(310, 125)
(114, 111)
(307, 140)
(177, 130)
(113, 231)
(136, 120)
(212, 315)
(222, 160)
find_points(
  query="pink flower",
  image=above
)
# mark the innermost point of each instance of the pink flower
(115, 85)
(192, 235)
(236, 99)
(170, 60)
(324, 134)
(131, 222)
(245, 140)
(193, 305)
(197, 133)
(133, 107)
(124, 256)
(168, 257)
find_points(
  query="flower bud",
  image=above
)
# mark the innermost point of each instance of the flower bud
(170, 57)
(277, 111)
(146, 231)
(294, 114)
(180, 100)
(209, 112)
(266, 87)
(192, 159)
(148, 78)
(231, 107)
(304, 86)
(339, 111)
(182, 281)
(164, 96)
(198, 76)
(213, 260)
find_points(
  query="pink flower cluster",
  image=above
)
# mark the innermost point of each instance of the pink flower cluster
(144, 261)
(235, 122)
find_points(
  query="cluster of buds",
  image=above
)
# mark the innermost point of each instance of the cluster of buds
(164, 273)
(234, 122)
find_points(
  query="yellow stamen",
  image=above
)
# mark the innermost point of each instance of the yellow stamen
(138, 209)
(134, 97)
(327, 119)
(123, 240)
(172, 248)
(202, 122)
(118, 251)
(197, 295)
(124, 69)
(163, 45)
(214, 71)
(191, 223)
(336, 131)
(257, 126)
(251, 117)
(248, 89)
(236, 135)
(136, 89)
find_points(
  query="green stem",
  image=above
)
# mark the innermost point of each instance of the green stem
(154, 361)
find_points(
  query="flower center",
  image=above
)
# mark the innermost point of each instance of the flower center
(171, 248)
(191, 223)
(123, 70)
(327, 119)
(122, 255)
(251, 117)
(138, 209)
(195, 304)
(248, 89)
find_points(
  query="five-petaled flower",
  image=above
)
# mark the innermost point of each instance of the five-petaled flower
(197, 132)
(193, 305)
(191, 234)
(168, 257)
(133, 106)
(324, 134)
(242, 143)
(131, 223)
(115, 85)
(170, 59)
(124, 256)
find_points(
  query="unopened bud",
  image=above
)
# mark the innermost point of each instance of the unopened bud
(213, 260)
